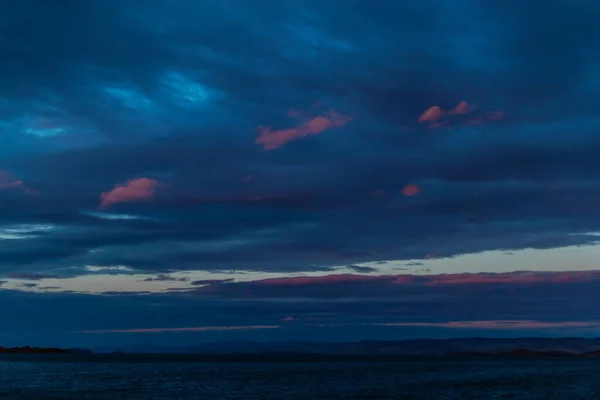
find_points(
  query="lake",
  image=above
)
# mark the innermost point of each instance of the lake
(476, 379)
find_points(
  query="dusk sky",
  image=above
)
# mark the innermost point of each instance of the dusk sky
(182, 171)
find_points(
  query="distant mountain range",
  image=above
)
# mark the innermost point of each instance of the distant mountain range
(422, 347)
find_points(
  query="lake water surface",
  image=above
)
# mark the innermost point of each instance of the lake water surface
(429, 380)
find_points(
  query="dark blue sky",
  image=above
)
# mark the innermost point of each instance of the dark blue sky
(180, 171)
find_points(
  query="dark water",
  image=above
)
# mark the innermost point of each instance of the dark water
(506, 379)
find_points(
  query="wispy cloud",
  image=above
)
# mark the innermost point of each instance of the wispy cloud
(480, 324)
(499, 324)
(111, 216)
(24, 231)
(274, 139)
(393, 286)
(483, 119)
(8, 181)
(435, 115)
(187, 329)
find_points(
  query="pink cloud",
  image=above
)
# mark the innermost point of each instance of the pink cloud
(9, 181)
(289, 319)
(490, 324)
(133, 190)
(460, 109)
(576, 276)
(191, 329)
(435, 113)
(411, 190)
(274, 139)
(471, 279)
(517, 277)
(372, 283)
(498, 324)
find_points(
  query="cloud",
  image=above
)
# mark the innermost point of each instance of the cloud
(317, 280)
(374, 308)
(432, 114)
(470, 279)
(483, 119)
(461, 108)
(8, 181)
(165, 278)
(133, 190)
(411, 190)
(512, 325)
(34, 276)
(211, 281)
(187, 329)
(274, 139)
(435, 113)
(392, 286)
(362, 269)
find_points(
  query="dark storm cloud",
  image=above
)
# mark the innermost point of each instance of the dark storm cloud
(211, 281)
(362, 269)
(97, 94)
(165, 278)
(33, 276)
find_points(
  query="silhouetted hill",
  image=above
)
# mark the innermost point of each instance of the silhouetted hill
(473, 346)
(39, 350)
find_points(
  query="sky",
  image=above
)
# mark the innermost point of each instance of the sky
(179, 171)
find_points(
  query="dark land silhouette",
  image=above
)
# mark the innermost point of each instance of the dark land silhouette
(464, 346)
(422, 349)
(40, 350)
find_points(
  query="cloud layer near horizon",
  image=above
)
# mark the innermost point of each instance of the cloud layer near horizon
(184, 136)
